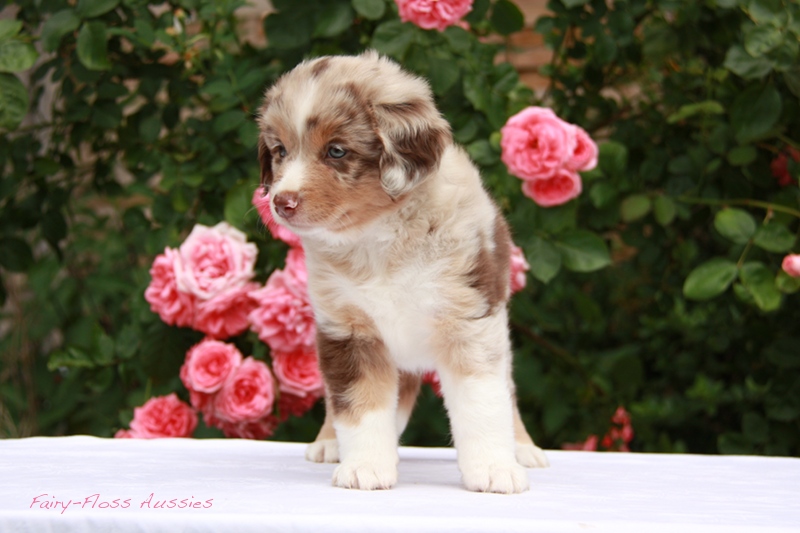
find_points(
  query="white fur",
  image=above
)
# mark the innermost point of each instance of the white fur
(368, 452)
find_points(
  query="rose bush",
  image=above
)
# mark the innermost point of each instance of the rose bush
(659, 286)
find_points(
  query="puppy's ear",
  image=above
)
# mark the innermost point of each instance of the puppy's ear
(414, 136)
(265, 159)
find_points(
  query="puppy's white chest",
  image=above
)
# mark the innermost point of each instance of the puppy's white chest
(403, 309)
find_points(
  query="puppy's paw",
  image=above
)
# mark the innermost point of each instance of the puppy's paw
(323, 451)
(501, 478)
(531, 456)
(365, 475)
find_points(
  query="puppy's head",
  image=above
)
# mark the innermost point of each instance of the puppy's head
(344, 138)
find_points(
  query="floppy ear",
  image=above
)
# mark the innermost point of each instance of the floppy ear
(265, 159)
(414, 136)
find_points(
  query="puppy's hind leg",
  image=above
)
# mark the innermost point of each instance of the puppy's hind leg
(325, 448)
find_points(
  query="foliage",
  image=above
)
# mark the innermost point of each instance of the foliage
(658, 289)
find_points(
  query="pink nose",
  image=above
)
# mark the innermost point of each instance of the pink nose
(286, 204)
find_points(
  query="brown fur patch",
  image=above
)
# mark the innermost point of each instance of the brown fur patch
(358, 373)
(320, 66)
(489, 274)
(265, 160)
(409, 389)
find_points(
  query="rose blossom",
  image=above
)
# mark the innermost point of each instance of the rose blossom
(780, 166)
(432, 379)
(791, 265)
(283, 317)
(590, 445)
(433, 14)
(536, 143)
(291, 405)
(163, 416)
(175, 308)
(208, 364)
(214, 260)
(258, 429)
(261, 203)
(584, 156)
(562, 187)
(226, 314)
(247, 394)
(519, 266)
(298, 373)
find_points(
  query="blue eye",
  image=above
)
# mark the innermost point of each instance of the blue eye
(281, 150)
(336, 152)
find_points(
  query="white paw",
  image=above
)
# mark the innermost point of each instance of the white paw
(365, 475)
(323, 451)
(531, 456)
(508, 478)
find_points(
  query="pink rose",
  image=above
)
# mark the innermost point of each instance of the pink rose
(559, 189)
(791, 265)
(536, 143)
(175, 308)
(296, 266)
(208, 364)
(256, 430)
(584, 156)
(163, 416)
(261, 203)
(433, 14)
(247, 395)
(590, 445)
(432, 379)
(519, 266)
(291, 405)
(123, 434)
(298, 373)
(214, 260)
(283, 317)
(226, 314)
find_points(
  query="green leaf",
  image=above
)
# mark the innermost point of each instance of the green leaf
(237, 204)
(664, 210)
(583, 251)
(16, 56)
(755, 113)
(482, 153)
(9, 28)
(786, 283)
(602, 194)
(92, 47)
(289, 29)
(635, 207)
(70, 358)
(443, 74)
(760, 283)
(709, 279)
(735, 224)
(574, 3)
(774, 237)
(742, 155)
(333, 20)
(613, 158)
(506, 18)
(738, 61)
(393, 38)
(768, 11)
(13, 101)
(94, 8)
(544, 259)
(370, 9)
(15, 254)
(760, 40)
(708, 107)
(228, 121)
(54, 227)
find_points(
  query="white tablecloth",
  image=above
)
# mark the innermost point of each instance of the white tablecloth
(243, 486)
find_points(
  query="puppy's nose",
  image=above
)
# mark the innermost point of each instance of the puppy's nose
(287, 203)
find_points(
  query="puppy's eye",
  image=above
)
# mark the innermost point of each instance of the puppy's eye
(280, 150)
(336, 152)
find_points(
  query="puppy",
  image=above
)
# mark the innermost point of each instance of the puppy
(407, 259)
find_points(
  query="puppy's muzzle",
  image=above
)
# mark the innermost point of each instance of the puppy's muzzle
(286, 204)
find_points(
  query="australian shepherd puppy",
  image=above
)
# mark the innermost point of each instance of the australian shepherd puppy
(408, 269)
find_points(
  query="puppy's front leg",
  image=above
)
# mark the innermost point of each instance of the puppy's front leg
(362, 386)
(481, 418)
